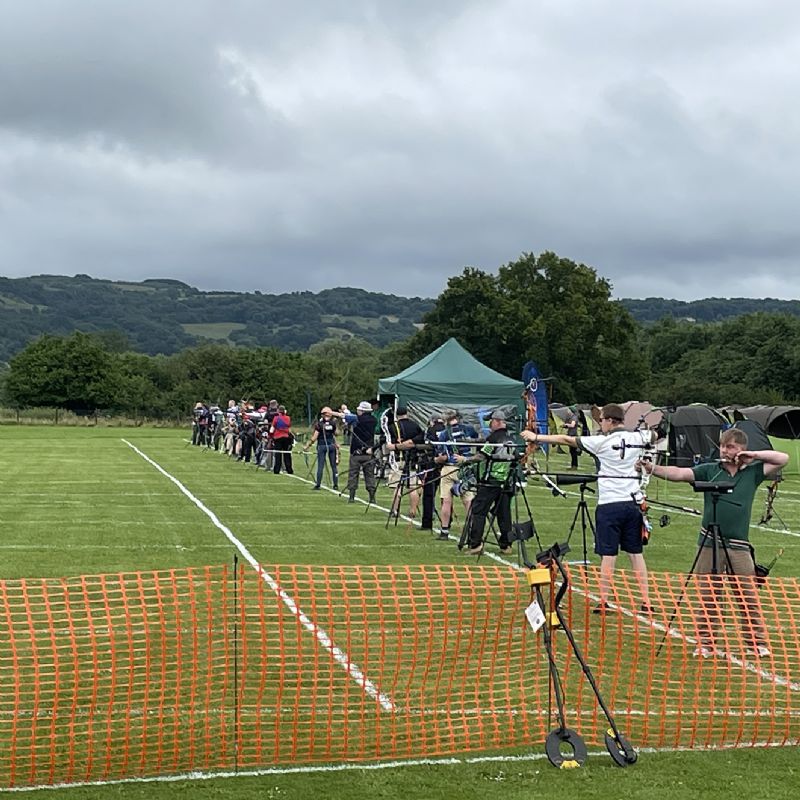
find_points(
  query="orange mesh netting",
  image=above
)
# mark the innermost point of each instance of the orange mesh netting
(114, 676)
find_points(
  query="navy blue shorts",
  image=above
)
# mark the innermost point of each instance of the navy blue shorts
(619, 527)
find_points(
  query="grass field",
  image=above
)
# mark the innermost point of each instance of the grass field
(84, 502)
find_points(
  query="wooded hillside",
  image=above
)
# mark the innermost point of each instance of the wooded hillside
(166, 316)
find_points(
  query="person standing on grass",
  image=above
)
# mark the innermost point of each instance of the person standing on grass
(405, 435)
(362, 442)
(571, 429)
(282, 440)
(495, 484)
(430, 472)
(453, 437)
(324, 436)
(746, 469)
(618, 516)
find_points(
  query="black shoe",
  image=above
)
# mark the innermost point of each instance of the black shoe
(335, 487)
(426, 527)
(444, 535)
(646, 608)
(601, 608)
(315, 487)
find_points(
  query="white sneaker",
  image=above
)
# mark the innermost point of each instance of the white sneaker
(762, 651)
(702, 652)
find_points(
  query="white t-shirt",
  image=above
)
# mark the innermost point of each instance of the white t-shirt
(617, 453)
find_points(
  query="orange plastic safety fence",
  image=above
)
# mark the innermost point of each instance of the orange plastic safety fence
(115, 676)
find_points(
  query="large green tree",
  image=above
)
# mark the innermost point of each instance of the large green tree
(545, 309)
(73, 372)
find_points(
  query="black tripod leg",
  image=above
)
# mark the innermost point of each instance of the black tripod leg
(678, 602)
(462, 540)
(573, 523)
(521, 493)
(489, 528)
(562, 736)
(586, 523)
(618, 746)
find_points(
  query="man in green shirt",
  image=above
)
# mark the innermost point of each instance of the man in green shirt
(729, 552)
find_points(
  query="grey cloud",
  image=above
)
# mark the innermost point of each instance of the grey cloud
(254, 145)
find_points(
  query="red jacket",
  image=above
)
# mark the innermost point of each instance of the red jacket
(281, 426)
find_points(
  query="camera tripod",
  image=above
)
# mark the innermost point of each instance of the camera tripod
(550, 566)
(713, 534)
(582, 512)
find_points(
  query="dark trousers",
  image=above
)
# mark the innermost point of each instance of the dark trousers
(283, 456)
(573, 457)
(429, 488)
(327, 452)
(358, 463)
(490, 496)
(248, 443)
(202, 436)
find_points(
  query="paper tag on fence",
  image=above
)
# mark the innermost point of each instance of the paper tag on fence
(535, 615)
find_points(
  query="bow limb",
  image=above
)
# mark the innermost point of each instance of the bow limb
(384, 422)
(531, 423)
(769, 506)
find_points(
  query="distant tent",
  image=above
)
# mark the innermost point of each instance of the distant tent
(638, 415)
(757, 438)
(559, 414)
(780, 421)
(693, 434)
(451, 377)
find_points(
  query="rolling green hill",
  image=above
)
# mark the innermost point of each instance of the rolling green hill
(165, 316)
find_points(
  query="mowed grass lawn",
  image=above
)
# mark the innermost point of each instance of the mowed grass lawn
(79, 501)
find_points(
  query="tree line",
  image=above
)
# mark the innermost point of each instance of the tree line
(543, 308)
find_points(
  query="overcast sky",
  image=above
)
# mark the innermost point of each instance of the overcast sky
(284, 146)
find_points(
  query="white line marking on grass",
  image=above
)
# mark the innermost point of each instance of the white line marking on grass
(349, 767)
(322, 637)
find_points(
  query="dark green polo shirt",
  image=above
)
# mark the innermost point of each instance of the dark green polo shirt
(733, 520)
